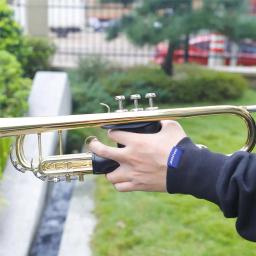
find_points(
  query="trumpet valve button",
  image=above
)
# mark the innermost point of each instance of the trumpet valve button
(120, 99)
(150, 96)
(136, 98)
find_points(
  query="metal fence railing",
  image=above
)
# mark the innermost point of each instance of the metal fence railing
(78, 28)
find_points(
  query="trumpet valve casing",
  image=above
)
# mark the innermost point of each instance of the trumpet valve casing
(66, 167)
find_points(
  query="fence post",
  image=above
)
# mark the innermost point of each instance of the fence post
(37, 17)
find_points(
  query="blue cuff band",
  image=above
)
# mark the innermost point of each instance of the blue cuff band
(175, 157)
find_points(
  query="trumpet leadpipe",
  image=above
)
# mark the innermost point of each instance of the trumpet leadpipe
(32, 125)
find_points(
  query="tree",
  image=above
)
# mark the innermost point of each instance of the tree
(154, 21)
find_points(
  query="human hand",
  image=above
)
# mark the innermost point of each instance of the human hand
(143, 160)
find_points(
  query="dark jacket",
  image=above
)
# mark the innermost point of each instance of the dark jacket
(228, 181)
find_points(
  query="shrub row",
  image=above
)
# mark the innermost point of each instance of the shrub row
(201, 85)
(96, 82)
(87, 91)
(210, 86)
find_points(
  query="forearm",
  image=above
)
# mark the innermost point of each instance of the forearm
(228, 181)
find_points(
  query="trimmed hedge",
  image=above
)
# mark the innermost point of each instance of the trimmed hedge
(87, 97)
(87, 91)
(140, 80)
(97, 80)
(93, 68)
(208, 87)
(194, 86)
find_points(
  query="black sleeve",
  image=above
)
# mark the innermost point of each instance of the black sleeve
(228, 181)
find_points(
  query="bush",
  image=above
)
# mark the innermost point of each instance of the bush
(87, 97)
(141, 79)
(11, 34)
(200, 84)
(190, 69)
(194, 84)
(33, 53)
(13, 95)
(87, 91)
(13, 88)
(36, 55)
(93, 68)
(97, 81)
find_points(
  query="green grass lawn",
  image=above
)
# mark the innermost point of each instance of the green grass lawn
(4, 153)
(153, 224)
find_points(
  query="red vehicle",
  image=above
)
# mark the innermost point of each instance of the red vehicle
(199, 50)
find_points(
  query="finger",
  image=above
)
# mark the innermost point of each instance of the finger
(105, 151)
(122, 137)
(124, 187)
(118, 176)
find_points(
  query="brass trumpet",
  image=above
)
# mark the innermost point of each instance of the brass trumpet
(67, 167)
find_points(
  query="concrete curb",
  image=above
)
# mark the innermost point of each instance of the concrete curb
(23, 193)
